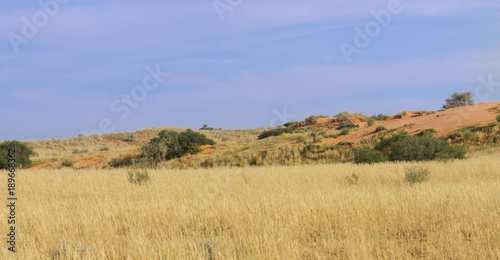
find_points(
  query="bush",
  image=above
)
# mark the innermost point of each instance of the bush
(381, 117)
(455, 135)
(372, 121)
(423, 149)
(138, 176)
(130, 138)
(369, 156)
(66, 162)
(380, 128)
(292, 125)
(347, 126)
(274, 132)
(310, 148)
(345, 131)
(459, 99)
(170, 144)
(468, 134)
(343, 118)
(417, 174)
(22, 154)
(498, 118)
(388, 141)
(311, 120)
(427, 132)
(76, 151)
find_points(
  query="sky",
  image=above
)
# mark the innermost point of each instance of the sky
(71, 67)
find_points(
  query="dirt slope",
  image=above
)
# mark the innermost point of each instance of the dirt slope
(444, 122)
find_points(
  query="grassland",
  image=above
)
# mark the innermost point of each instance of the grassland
(270, 212)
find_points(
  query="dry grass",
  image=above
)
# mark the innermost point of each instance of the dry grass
(297, 212)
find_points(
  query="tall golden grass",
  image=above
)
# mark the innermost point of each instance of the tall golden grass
(295, 212)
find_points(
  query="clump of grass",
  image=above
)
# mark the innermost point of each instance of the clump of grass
(468, 134)
(455, 135)
(208, 247)
(345, 131)
(352, 179)
(427, 132)
(380, 128)
(417, 174)
(498, 118)
(138, 176)
(66, 162)
(401, 114)
(130, 138)
(76, 151)
(372, 121)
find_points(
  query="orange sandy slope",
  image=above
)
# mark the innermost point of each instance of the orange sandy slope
(444, 122)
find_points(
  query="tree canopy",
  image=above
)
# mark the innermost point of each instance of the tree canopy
(22, 154)
(459, 99)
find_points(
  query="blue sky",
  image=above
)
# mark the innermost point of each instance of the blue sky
(66, 65)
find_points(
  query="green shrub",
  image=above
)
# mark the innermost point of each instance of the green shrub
(311, 120)
(401, 114)
(417, 174)
(451, 152)
(76, 151)
(424, 148)
(345, 131)
(387, 141)
(369, 156)
(292, 125)
(138, 176)
(347, 126)
(343, 118)
(310, 148)
(380, 128)
(381, 117)
(468, 134)
(66, 162)
(130, 138)
(427, 132)
(352, 179)
(498, 118)
(455, 135)
(22, 154)
(274, 132)
(372, 121)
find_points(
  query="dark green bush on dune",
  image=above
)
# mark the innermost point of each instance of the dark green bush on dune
(274, 132)
(170, 144)
(22, 152)
(369, 156)
(424, 149)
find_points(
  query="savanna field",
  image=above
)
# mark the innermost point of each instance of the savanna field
(270, 212)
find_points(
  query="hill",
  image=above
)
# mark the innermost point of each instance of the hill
(322, 140)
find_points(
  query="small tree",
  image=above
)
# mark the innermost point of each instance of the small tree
(170, 144)
(22, 152)
(311, 120)
(459, 99)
